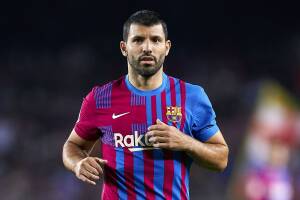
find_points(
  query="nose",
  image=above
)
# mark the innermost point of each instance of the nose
(147, 47)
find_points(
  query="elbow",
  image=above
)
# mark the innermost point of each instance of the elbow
(222, 164)
(64, 156)
(67, 150)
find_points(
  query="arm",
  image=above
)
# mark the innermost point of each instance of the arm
(212, 154)
(76, 158)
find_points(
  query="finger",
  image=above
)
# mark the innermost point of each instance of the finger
(102, 162)
(94, 163)
(89, 167)
(85, 179)
(156, 133)
(89, 175)
(160, 122)
(157, 127)
(158, 139)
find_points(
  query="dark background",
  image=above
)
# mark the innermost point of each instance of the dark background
(53, 52)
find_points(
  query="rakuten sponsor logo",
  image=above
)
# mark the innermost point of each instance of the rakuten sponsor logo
(134, 142)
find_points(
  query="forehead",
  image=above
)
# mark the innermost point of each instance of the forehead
(142, 30)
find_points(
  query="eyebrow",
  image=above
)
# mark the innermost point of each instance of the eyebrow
(157, 37)
(142, 37)
(137, 37)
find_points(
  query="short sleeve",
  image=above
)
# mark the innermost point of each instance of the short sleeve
(204, 124)
(85, 126)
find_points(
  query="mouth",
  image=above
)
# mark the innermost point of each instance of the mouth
(147, 59)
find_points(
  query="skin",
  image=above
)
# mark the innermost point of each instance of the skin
(145, 50)
(145, 41)
(76, 158)
(212, 154)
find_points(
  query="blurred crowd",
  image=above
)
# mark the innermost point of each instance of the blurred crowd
(43, 81)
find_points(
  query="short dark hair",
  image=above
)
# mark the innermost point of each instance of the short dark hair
(146, 18)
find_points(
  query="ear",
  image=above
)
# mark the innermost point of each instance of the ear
(168, 46)
(123, 48)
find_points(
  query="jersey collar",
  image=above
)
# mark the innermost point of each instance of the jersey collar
(147, 92)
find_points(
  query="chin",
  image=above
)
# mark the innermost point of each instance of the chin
(149, 70)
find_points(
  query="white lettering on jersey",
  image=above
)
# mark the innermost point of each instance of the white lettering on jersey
(134, 142)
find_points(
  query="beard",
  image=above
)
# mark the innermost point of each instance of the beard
(146, 70)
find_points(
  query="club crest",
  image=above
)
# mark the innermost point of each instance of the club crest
(174, 113)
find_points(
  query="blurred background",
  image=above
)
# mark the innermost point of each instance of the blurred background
(245, 55)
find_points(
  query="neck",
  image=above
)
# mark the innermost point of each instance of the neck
(145, 83)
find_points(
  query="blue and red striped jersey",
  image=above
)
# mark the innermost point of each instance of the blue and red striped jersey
(119, 114)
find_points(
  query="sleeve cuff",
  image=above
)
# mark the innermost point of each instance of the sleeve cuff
(85, 136)
(207, 133)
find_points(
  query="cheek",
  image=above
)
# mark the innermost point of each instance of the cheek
(133, 52)
(134, 48)
(162, 54)
(162, 50)
(131, 55)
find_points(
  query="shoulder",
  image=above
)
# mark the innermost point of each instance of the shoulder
(100, 90)
(189, 87)
(196, 96)
(100, 95)
(107, 85)
(194, 90)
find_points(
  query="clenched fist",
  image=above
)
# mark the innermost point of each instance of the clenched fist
(89, 169)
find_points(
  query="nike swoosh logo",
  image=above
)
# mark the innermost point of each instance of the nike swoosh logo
(114, 116)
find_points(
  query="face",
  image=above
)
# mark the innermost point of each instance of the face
(146, 49)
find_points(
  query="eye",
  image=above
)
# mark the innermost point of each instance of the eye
(156, 40)
(137, 40)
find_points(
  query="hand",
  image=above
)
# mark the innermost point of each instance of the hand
(89, 169)
(167, 137)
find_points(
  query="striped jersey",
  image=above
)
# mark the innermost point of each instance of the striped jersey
(119, 114)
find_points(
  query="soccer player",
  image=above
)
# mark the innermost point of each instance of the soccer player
(151, 125)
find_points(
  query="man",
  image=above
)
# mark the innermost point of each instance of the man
(152, 126)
